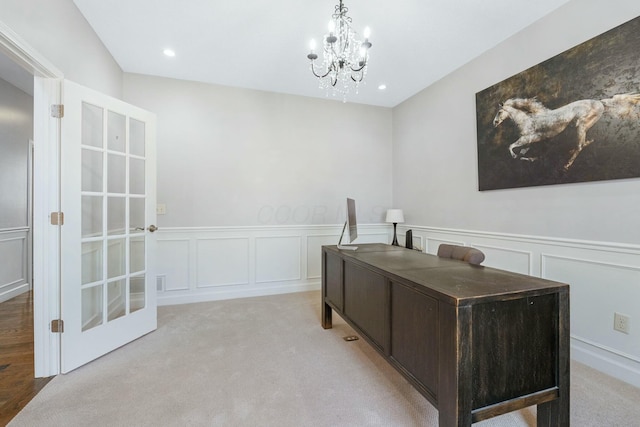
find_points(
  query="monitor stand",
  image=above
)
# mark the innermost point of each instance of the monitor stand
(345, 247)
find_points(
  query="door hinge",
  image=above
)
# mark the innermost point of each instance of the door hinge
(57, 326)
(57, 111)
(57, 218)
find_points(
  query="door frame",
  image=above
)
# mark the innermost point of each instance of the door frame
(46, 197)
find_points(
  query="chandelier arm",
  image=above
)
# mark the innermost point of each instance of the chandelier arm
(355, 70)
(357, 80)
(313, 70)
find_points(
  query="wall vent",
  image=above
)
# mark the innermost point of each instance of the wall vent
(161, 282)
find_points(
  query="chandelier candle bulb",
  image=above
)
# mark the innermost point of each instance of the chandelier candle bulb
(312, 56)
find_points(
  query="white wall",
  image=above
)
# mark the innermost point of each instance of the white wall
(237, 157)
(59, 32)
(583, 234)
(254, 183)
(16, 129)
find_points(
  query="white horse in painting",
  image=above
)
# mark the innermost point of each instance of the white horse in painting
(537, 122)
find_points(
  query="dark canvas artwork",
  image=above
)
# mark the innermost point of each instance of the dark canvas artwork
(572, 118)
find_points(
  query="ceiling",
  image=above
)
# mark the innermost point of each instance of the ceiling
(263, 45)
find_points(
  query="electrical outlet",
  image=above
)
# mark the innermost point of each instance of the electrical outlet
(621, 322)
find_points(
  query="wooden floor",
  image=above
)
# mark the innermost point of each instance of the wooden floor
(17, 383)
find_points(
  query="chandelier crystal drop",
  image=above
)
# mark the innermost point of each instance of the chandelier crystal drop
(345, 59)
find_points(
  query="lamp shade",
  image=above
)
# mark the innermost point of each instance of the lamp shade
(395, 216)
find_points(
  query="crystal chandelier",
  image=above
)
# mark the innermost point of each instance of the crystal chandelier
(345, 59)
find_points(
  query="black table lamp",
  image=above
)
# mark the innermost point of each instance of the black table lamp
(395, 216)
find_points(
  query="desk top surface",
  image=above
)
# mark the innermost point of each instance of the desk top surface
(456, 281)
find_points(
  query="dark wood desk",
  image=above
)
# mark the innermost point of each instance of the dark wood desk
(477, 342)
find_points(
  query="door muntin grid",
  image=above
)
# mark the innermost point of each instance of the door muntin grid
(113, 216)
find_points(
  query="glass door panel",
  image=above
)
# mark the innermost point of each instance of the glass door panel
(116, 132)
(116, 258)
(117, 173)
(92, 170)
(138, 293)
(92, 261)
(137, 137)
(116, 215)
(136, 215)
(92, 125)
(91, 307)
(136, 254)
(116, 300)
(136, 176)
(91, 216)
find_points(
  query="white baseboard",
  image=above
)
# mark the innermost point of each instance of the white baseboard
(14, 292)
(235, 292)
(622, 367)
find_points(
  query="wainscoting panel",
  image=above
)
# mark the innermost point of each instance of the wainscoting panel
(278, 259)
(373, 237)
(598, 291)
(213, 263)
(434, 243)
(418, 242)
(508, 259)
(173, 257)
(13, 253)
(222, 262)
(314, 253)
(604, 279)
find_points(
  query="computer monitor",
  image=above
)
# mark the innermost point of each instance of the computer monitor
(352, 224)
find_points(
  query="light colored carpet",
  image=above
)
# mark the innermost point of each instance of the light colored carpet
(266, 361)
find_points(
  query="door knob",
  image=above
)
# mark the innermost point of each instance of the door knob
(152, 228)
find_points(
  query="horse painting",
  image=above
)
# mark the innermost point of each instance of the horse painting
(536, 122)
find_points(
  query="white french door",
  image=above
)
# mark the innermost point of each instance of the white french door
(108, 196)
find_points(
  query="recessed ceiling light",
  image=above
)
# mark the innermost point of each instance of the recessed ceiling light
(382, 87)
(169, 52)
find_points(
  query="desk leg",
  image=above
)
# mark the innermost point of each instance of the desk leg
(556, 412)
(549, 414)
(326, 309)
(454, 384)
(326, 315)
